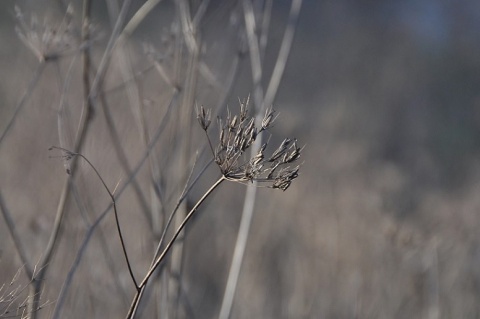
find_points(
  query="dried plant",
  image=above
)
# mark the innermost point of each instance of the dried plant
(237, 134)
(14, 299)
(67, 156)
(45, 41)
(48, 41)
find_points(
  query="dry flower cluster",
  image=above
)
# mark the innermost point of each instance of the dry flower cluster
(45, 41)
(237, 134)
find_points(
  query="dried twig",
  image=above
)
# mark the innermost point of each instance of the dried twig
(68, 156)
(119, 192)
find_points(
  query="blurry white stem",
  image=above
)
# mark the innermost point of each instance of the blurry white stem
(261, 102)
(239, 252)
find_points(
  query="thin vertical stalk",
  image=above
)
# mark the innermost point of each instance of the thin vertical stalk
(239, 252)
(254, 50)
(250, 195)
(284, 52)
(267, 14)
(177, 257)
(261, 102)
(80, 137)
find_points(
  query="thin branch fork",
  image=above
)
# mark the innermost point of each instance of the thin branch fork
(68, 155)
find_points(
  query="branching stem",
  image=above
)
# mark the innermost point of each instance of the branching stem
(112, 197)
(138, 296)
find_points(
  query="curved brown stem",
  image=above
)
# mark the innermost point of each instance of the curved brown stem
(138, 296)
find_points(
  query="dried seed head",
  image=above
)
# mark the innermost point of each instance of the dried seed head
(233, 123)
(48, 41)
(257, 159)
(285, 178)
(244, 108)
(222, 138)
(294, 154)
(236, 134)
(203, 117)
(280, 150)
(253, 134)
(269, 118)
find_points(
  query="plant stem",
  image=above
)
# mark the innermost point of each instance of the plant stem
(82, 129)
(138, 296)
(116, 219)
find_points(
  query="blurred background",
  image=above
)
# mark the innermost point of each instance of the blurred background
(381, 223)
